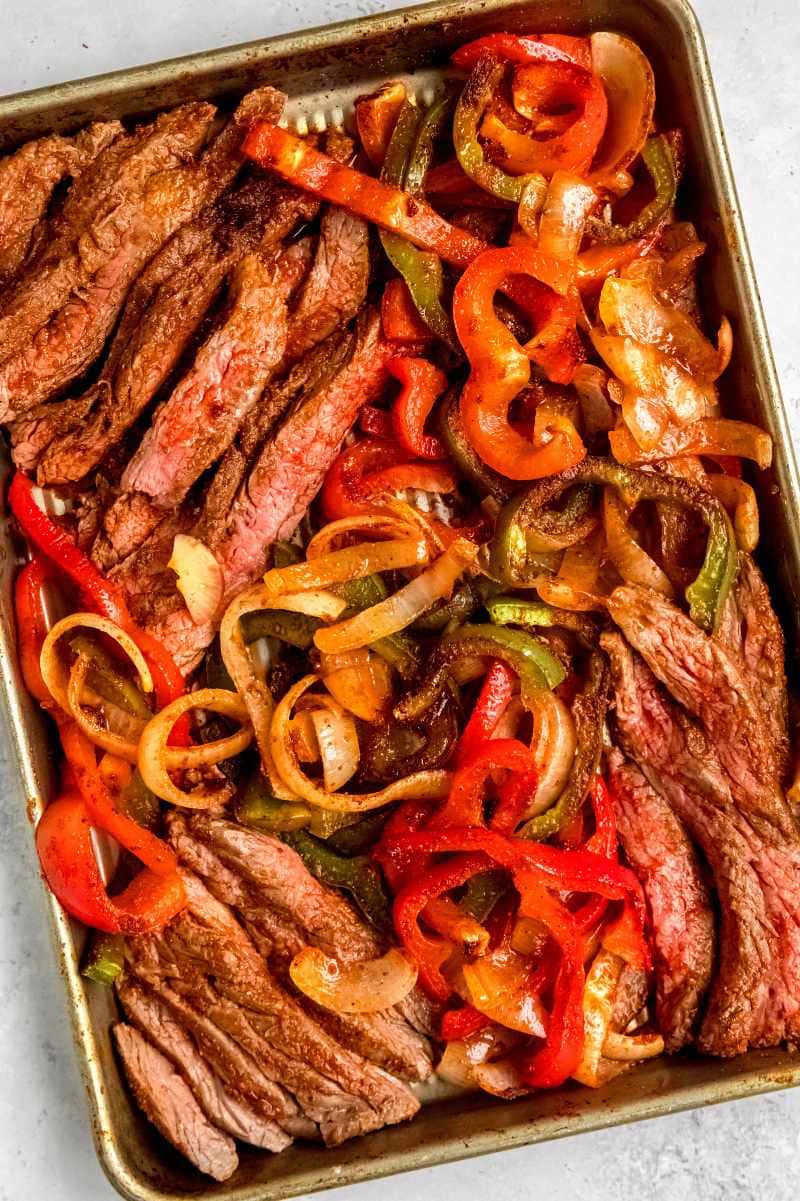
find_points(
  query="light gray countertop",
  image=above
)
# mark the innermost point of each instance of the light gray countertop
(736, 1152)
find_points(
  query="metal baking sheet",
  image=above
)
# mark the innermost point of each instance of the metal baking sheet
(322, 71)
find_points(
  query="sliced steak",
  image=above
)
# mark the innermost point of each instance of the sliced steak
(291, 466)
(227, 1110)
(313, 372)
(755, 998)
(336, 286)
(284, 908)
(206, 957)
(754, 633)
(286, 473)
(57, 316)
(162, 314)
(197, 424)
(712, 684)
(659, 850)
(168, 1102)
(28, 178)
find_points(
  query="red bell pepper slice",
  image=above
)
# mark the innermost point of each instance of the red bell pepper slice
(431, 954)
(150, 850)
(624, 936)
(517, 48)
(461, 1023)
(63, 843)
(31, 623)
(602, 842)
(97, 593)
(496, 692)
(422, 385)
(408, 817)
(500, 367)
(307, 168)
(367, 469)
(400, 317)
(566, 871)
(464, 805)
(377, 422)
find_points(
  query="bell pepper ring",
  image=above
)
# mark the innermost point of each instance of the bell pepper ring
(500, 369)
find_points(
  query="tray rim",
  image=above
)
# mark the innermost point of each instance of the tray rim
(782, 1070)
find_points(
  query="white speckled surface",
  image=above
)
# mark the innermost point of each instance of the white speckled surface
(738, 1152)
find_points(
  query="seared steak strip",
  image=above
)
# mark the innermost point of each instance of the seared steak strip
(755, 998)
(286, 474)
(672, 756)
(659, 851)
(205, 956)
(336, 286)
(224, 1108)
(284, 908)
(27, 180)
(712, 684)
(135, 195)
(168, 1102)
(58, 315)
(291, 467)
(313, 372)
(198, 422)
(755, 635)
(163, 312)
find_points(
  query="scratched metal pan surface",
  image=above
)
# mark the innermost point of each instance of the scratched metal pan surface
(322, 71)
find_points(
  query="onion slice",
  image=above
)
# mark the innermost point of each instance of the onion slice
(338, 744)
(199, 581)
(350, 563)
(360, 680)
(366, 987)
(740, 500)
(236, 657)
(598, 1011)
(405, 606)
(553, 746)
(631, 92)
(114, 743)
(567, 205)
(156, 759)
(377, 523)
(631, 561)
(54, 672)
(630, 1047)
(499, 986)
(420, 785)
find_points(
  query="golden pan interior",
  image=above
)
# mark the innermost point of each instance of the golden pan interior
(323, 70)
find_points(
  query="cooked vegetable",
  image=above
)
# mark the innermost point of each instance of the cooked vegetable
(200, 581)
(658, 156)
(406, 162)
(156, 759)
(105, 958)
(300, 164)
(366, 987)
(398, 611)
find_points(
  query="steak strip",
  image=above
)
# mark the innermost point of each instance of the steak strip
(224, 1108)
(290, 468)
(58, 315)
(711, 683)
(659, 851)
(196, 425)
(28, 178)
(206, 957)
(162, 314)
(753, 1000)
(169, 1104)
(284, 908)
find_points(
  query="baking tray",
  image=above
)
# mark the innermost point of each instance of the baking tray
(323, 70)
